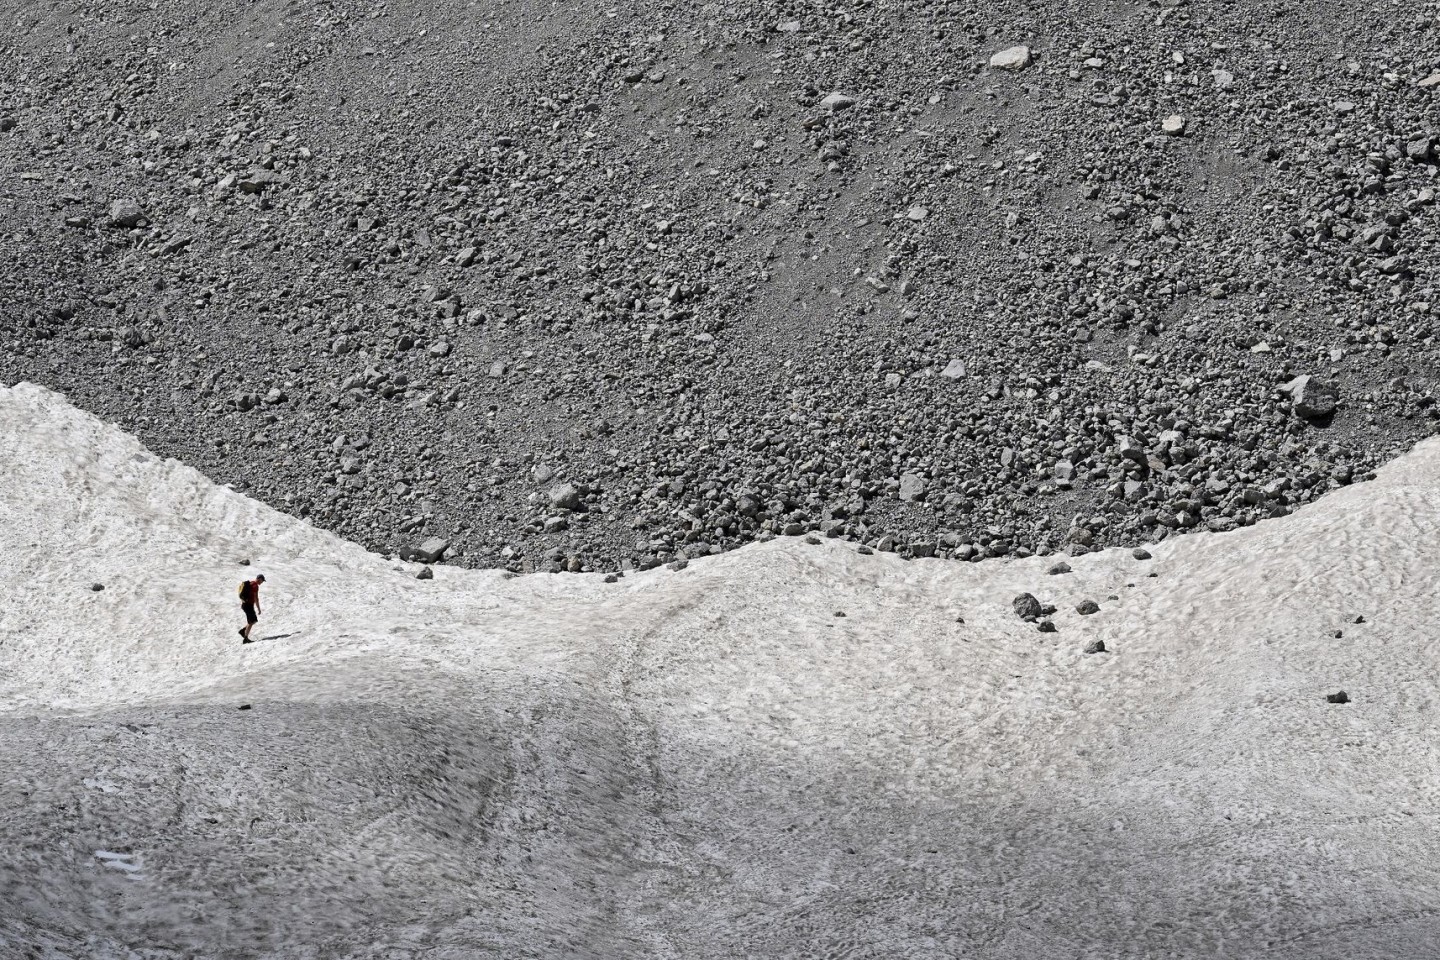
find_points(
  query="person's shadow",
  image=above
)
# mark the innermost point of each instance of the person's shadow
(276, 636)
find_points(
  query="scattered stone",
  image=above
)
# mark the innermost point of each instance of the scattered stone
(837, 102)
(1047, 626)
(428, 552)
(425, 574)
(1011, 58)
(1173, 125)
(1338, 697)
(565, 496)
(126, 214)
(1095, 646)
(1059, 568)
(912, 487)
(97, 587)
(1140, 553)
(1311, 398)
(1027, 607)
(1132, 451)
(1087, 607)
(244, 706)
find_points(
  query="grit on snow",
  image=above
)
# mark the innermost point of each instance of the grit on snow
(791, 750)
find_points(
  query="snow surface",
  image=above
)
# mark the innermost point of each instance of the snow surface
(709, 763)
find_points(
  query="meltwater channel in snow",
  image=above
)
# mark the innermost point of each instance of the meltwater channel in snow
(790, 750)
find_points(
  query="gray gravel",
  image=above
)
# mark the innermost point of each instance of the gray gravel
(585, 288)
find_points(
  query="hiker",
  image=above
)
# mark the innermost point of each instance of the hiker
(250, 605)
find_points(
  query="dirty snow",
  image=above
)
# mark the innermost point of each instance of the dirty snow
(704, 763)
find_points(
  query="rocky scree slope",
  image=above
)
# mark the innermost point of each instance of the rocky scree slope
(593, 288)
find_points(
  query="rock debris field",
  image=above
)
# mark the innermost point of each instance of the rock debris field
(579, 287)
(1231, 754)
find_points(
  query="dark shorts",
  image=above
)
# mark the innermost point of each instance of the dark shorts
(249, 610)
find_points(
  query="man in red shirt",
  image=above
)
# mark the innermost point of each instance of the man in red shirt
(250, 605)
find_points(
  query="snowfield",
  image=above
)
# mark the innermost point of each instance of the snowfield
(710, 763)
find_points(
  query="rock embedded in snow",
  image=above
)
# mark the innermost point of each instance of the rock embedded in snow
(425, 574)
(1059, 568)
(1087, 607)
(1140, 553)
(1095, 646)
(1339, 696)
(1011, 58)
(428, 552)
(1027, 607)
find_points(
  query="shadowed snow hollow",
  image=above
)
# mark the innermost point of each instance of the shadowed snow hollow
(791, 750)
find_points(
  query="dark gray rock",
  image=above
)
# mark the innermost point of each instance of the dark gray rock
(1027, 607)
(428, 552)
(1311, 398)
